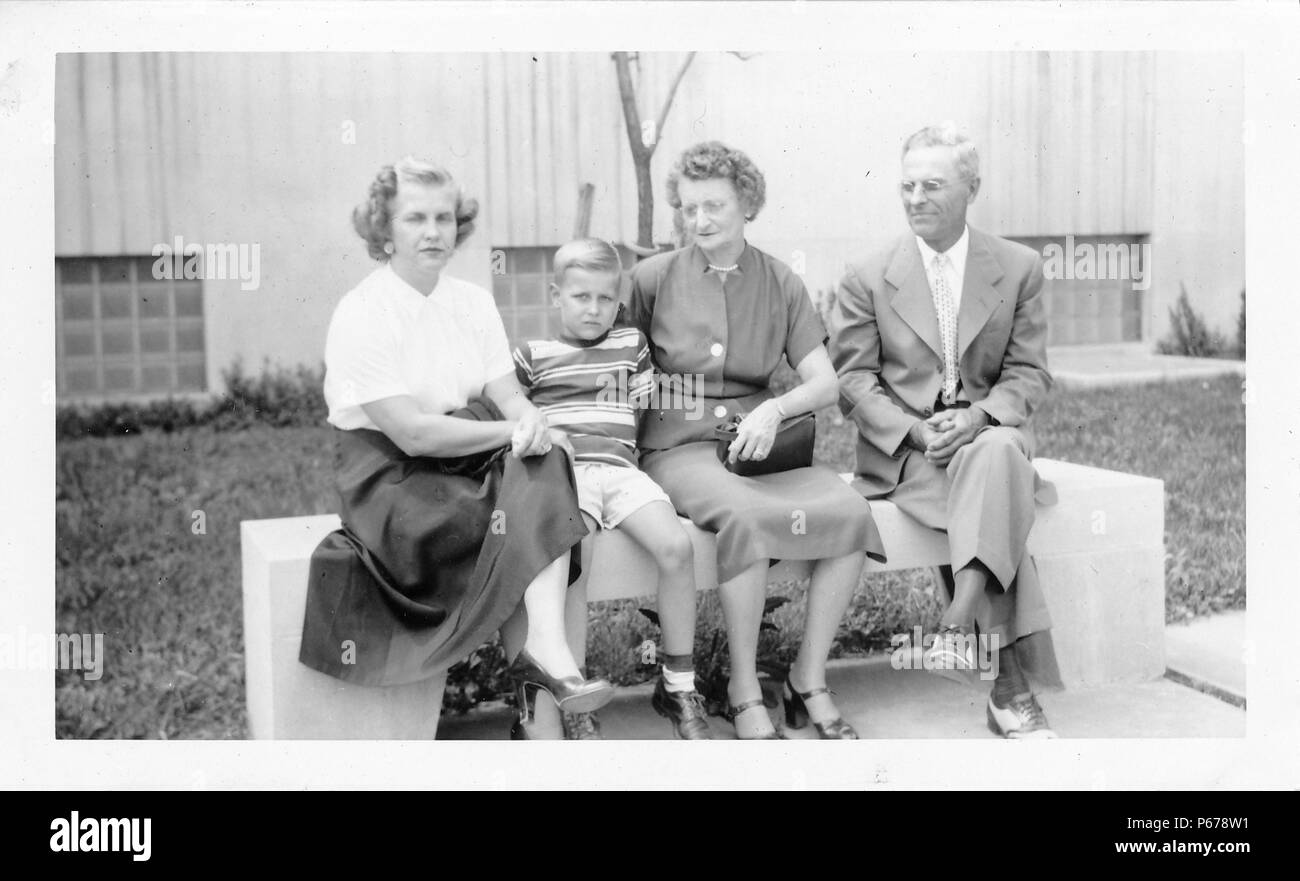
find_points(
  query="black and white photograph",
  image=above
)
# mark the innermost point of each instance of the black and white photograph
(424, 375)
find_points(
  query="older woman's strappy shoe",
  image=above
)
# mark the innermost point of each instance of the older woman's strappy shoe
(796, 714)
(732, 712)
(572, 694)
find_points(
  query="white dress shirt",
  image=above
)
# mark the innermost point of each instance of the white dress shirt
(956, 268)
(388, 339)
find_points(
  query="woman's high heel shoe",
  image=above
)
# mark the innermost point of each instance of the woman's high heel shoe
(733, 712)
(572, 694)
(522, 729)
(796, 714)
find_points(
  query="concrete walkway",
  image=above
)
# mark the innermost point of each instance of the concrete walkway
(1210, 654)
(885, 703)
(1129, 364)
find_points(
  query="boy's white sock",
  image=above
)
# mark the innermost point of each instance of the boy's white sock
(677, 681)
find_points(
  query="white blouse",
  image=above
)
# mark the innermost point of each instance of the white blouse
(388, 339)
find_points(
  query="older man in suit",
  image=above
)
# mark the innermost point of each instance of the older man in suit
(939, 340)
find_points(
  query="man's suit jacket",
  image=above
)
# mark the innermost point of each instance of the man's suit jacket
(887, 351)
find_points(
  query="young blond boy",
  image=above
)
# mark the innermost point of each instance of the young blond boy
(588, 380)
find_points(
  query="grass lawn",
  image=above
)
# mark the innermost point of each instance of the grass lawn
(133, 564)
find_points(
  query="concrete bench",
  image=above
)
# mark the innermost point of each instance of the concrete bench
(1099, 551)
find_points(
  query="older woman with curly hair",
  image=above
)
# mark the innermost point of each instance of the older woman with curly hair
(456, 504)
(725, 310)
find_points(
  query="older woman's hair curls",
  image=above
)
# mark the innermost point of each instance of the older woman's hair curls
(373, 218)
(714, 159)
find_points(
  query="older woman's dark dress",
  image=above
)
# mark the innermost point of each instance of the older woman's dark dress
(734, 331)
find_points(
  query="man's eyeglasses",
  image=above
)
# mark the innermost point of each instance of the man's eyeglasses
(907, 187)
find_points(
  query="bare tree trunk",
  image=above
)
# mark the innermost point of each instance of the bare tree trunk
(645, 205)
(640, 154)
(641, 151)
(582, 219)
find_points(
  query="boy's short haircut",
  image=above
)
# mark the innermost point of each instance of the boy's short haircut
(591, 254)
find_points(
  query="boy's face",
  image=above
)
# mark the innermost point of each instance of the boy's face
(588, 302)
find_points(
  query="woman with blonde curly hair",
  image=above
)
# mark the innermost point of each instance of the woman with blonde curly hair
(455, 497)
(724, 310)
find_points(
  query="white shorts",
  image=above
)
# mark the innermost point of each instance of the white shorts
(610, 493)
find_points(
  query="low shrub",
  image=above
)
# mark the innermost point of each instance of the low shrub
(1241, 327)
(1189, 335)
(123, 418)
(480, 677)
(889, 603)
(279, 396)
(617, 634)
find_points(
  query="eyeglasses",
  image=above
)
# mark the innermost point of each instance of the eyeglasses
(907, 187)
(711, 208)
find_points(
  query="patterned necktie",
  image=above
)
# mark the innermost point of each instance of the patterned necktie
(943, 307)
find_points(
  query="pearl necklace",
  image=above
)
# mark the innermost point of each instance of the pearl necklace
(732, 268)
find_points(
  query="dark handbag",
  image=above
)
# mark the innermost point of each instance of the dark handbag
(792, 448)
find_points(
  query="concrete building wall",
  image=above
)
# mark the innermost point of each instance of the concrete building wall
(274, 150)
(1198, 221)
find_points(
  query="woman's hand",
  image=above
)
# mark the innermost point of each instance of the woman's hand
(561, 439)
(531, 435)
(756, 434)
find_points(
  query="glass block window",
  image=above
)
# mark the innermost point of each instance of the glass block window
(521, 285)
(120, 331)
(1094, 310)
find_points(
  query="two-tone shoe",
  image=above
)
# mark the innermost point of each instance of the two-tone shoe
(1021, 719)
(953, 654)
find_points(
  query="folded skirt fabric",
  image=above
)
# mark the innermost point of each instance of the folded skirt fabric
(434, 554)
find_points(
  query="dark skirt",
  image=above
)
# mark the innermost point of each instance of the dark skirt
(434, 554)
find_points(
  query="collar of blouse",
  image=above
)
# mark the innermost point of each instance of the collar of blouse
(407, 294)
(700, 260)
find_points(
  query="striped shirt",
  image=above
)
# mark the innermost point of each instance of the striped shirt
(590, 390)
